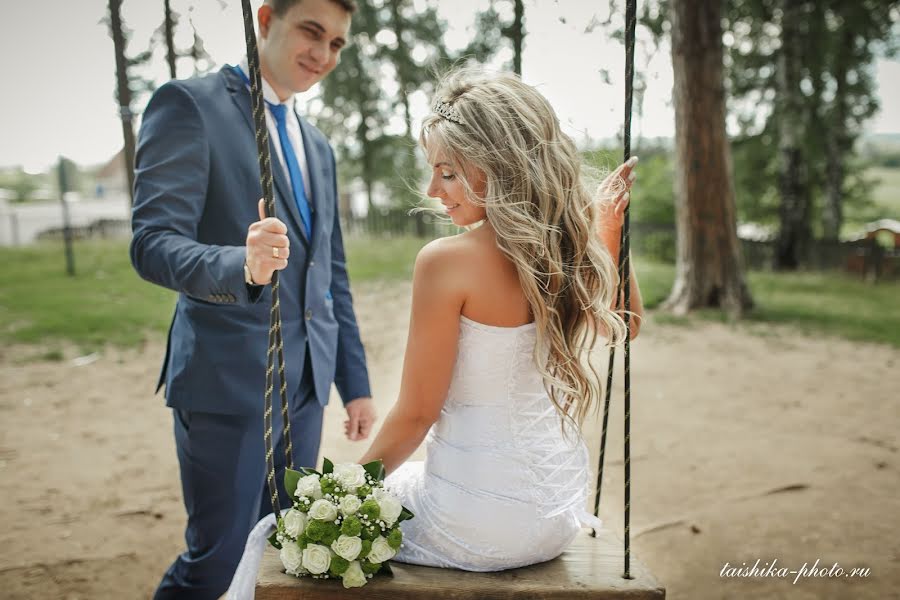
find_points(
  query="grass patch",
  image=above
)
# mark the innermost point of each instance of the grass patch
(370, 259)
(656, 280)
(886, 194)
(104, 303)
(107, 303)
(832, 303)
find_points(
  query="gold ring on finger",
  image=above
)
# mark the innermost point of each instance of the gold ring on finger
(274, 252)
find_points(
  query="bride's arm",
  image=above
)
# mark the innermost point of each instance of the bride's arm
(610, 233)
(437, 299)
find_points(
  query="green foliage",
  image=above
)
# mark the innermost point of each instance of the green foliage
(291, 478)
(405, 514)
(324, 532)
(23, 185)
(837, 94)
(338, 565)
(329, 486)
(369, 568)
(375, 469)
(885, 193)
(395, 538)
(351, 526)
(366, 548)
(370, 509)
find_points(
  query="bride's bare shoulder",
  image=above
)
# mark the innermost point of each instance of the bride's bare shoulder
(453, 258)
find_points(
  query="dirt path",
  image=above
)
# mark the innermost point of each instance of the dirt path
(748, 443)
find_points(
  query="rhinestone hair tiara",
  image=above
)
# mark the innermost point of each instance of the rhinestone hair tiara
(446, 110)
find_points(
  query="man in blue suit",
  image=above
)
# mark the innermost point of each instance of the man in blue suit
(199, 230)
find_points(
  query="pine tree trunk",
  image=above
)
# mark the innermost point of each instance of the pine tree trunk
(123, 93)
(709, 269)
(402, 51)
(836, 146)
(518, 35)
(794, 233)
(170, 40)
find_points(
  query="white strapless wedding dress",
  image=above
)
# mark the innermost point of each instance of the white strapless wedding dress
(501, 487)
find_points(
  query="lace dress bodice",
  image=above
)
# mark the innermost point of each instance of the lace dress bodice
(500, 487)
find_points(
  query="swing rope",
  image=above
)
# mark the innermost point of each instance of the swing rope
(276, 342)
(624, 292)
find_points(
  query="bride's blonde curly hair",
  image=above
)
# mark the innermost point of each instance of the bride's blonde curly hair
(545, 219)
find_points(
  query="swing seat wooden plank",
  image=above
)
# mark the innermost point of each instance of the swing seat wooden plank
(589, 568)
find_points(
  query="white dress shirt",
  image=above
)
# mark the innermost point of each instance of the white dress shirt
(293, 129)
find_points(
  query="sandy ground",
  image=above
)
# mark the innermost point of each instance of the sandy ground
(748, 443)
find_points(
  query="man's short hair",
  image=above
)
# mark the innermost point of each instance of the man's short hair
(280, 7)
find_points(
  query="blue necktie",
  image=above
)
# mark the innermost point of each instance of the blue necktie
(279, 111)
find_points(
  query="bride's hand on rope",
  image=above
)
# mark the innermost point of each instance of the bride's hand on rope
(268, 247)
(612, 214)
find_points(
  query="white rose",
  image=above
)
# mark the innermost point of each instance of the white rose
(350, 475)
(381, 551)
(350, 504)
(354, 576)
(323, 510)
(347, 547)
(291, 557)
(390, 506)
(316, 559)
(294, 523)
(309, 486)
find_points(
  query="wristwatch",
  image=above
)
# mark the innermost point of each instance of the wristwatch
(248, 276)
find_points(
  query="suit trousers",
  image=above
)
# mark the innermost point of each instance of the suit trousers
(223, 480)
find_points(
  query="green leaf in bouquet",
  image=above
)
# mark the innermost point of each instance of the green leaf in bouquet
(405, 515)
(308, 471)
(291, 477)
(327, 466)
(366, 548)
(375, 469)
(273, 539)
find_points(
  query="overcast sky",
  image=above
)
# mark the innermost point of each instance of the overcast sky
(59, 72)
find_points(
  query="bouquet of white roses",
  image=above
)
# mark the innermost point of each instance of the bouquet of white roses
(344, 523)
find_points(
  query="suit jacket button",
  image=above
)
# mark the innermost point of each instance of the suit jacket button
(312, 263)
(309, 314)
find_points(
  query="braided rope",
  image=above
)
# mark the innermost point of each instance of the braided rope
(624, 292)
(276, 343)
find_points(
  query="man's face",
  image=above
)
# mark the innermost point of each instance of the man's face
(301, 47)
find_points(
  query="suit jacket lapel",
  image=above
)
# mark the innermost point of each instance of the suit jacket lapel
(240, 95)
(317, 186)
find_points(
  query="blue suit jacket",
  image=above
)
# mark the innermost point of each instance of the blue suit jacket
(196, 192)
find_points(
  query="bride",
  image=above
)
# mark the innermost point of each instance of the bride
(496, 376)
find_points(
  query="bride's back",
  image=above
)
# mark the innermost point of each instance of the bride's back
(494, 294)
